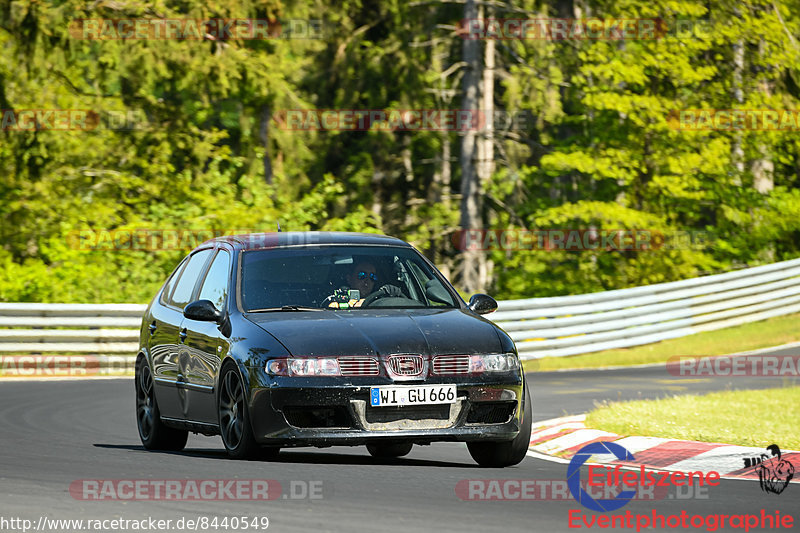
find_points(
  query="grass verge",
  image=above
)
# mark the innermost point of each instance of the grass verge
(763, 334)
(748, 418)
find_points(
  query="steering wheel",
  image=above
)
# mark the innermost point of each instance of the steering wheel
(383, 292)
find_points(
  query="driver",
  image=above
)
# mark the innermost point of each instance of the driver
(363, 277)
(361, 280)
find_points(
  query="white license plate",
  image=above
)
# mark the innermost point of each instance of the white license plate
(414, 395)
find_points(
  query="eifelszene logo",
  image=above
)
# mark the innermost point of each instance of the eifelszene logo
(774, 473)
(631, 479)
(574, 477)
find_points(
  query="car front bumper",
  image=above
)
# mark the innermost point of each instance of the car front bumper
(335, 411)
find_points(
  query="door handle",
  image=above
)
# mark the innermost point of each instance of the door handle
(152, 327)
(183, 334)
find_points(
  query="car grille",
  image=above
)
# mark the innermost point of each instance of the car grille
(451, 364)
(491, 412)
(405, 365)
(383, 415)
(358, 366)
(318, 417)
(407, 417)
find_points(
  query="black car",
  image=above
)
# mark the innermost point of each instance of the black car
(319, 339)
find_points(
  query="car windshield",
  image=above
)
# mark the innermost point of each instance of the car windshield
(339, 277)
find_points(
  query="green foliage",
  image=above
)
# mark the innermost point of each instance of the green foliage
(610, 266)
(599, 152)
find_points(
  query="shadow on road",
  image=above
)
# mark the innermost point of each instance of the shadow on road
(296, 456)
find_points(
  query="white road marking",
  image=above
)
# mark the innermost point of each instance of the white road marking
(723, 459)
(556, 429)
(573, 439)
(639, 444)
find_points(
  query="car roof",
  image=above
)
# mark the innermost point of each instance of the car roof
(258, 241)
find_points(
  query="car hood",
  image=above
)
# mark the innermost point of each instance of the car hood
(380, 332)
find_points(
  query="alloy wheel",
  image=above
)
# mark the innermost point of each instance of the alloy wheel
(145, 402)
(231, 409)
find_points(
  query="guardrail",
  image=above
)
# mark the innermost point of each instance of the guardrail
(557, 326)
(570, 325)
(95, 321)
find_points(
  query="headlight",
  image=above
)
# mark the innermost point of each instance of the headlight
(498, 362)
(306, 366)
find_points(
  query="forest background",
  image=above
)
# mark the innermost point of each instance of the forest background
(584, 137)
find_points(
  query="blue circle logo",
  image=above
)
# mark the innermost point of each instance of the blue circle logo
(574, 477)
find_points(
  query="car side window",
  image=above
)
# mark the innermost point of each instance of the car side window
(186, 283)
(215, 286)
(171, 282)
(435, 293)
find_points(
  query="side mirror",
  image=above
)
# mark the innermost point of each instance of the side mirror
(202, 310)
(482, 304)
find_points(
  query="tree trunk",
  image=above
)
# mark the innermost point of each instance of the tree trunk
(377, 193)
(439, 191)
(411, 200)
(763, 167)
(737, 152)
(264, 135)
(470, 194)
(486, 164)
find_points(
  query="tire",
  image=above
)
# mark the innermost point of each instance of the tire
(390, 450)
(234, 418)
(508, 453)
(154, 434)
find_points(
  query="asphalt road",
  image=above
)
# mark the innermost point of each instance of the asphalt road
(54, 434)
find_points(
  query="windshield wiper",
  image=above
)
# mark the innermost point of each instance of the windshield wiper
(285, 308)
